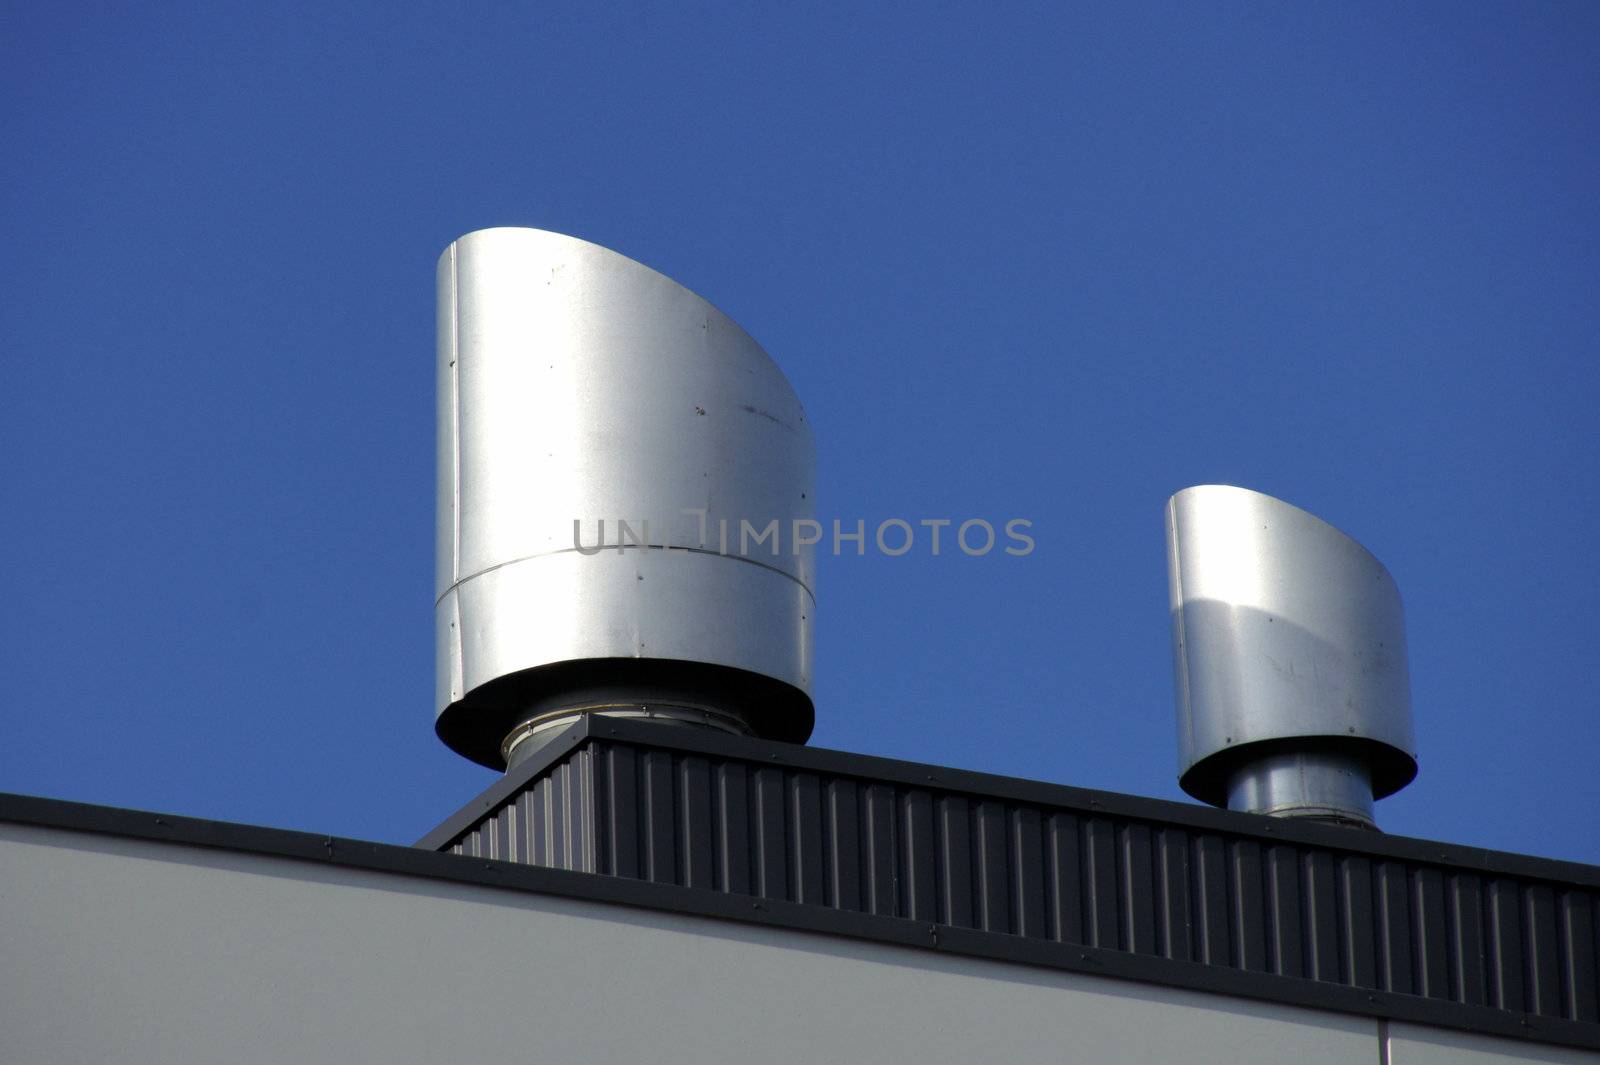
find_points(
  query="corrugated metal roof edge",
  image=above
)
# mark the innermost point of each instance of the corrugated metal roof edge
(411, 861)
(1104, 803)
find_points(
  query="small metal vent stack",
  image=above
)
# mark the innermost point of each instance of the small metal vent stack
(1289, 656)
(586, 401)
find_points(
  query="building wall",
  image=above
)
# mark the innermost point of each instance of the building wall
(1410, 1044)
(113, 949)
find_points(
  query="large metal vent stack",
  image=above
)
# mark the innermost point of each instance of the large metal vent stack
(587, 401)
(1289, 656)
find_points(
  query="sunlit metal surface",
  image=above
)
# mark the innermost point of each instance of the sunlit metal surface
(1327, 785)
(579, 386)
(1288, 638)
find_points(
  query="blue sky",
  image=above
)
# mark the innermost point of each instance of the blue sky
(1042, 261)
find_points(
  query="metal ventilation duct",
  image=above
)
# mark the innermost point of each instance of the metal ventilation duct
(576, 387)
(1289, 655)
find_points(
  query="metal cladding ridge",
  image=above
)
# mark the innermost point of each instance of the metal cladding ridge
(1289, 652)
(1240, 903)
(578, 387)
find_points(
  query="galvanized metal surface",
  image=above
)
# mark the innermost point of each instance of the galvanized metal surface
(531, 736)
(862, 835)
(1326, 785)
(577, 386)
(1288, 636)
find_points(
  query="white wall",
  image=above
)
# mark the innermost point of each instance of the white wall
(128, 951)
(1411, 1044)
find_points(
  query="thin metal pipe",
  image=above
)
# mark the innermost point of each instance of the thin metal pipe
(1321, 785)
